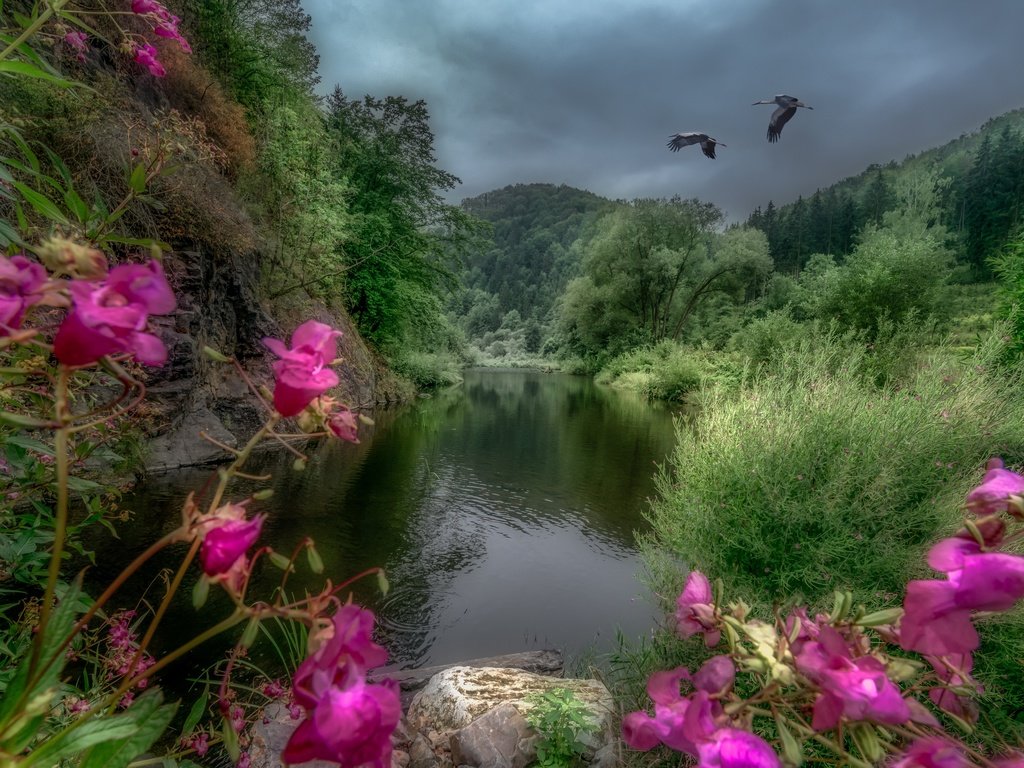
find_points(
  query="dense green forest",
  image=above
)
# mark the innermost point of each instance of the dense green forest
(572, 276)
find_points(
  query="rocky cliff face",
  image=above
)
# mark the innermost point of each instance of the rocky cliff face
(219, 306)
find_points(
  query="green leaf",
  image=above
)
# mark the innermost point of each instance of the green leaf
(62, 169)
(149, 718)
(81, 485)
(25, 69)
(196, 713)
(9, 236)
(70, 742)
(43, 205)
(58, 627)
(26, 151)
(145, 242)
(30, 443)
(76, 205)
(137, 180)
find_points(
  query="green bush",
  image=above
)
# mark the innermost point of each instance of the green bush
(668, 371)
(428, 370)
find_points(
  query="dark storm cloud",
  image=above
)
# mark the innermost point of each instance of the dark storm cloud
(586, 94)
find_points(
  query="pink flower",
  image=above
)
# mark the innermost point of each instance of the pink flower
(201, 744)
(1011, 760)
(681, 723)
(227, 538)
(351, 726)
(695, 610)
(21, 284)
(302, 373)
(937, 614)
(111, 316)
(273, 689)
(716, 675)
(857, 689)
(166, 23)
(146, 56)
(344, 425)
(932, 624)
(932, 752)
(995, 490)
(953, 671)
(348, 653)
(77, 41)
(347, 720)
(733, 748)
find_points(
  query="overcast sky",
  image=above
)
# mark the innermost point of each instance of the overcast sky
(587, 92)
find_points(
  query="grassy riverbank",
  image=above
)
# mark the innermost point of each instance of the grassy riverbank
(835, 465)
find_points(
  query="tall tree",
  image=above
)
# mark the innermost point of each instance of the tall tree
(406, 238)
(648, 267)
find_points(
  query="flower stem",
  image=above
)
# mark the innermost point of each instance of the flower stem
(60, 514)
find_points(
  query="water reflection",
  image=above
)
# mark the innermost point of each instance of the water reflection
(503, 510)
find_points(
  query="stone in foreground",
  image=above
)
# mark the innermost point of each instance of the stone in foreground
(456, 697)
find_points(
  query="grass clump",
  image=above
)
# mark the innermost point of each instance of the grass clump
(668, 371)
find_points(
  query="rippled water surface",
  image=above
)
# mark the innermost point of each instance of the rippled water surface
(504, 511)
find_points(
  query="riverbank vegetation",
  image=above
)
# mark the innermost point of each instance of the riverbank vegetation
(852, 361)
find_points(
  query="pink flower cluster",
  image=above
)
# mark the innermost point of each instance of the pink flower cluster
(110, 310)
(110, 316)
(302, 374)
(832, 659)
(227, 536)
(122, 646)
(78, 42)
(22, 284)
(938, 614)
(697, 724)
(348, 720)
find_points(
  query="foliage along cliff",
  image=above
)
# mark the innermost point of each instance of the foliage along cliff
(269, 206)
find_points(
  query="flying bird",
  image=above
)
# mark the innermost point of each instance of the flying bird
(707, 144)
(781, 116)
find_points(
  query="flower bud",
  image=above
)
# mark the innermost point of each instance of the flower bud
(898, 669)
(216, 356)
(62, 255)
(316, 563)
(200, 592)
(866, 739)
(251, 632)
(888, 616)
(280, 561)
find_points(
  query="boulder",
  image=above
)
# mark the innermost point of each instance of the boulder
(457, 696)
(500, 738)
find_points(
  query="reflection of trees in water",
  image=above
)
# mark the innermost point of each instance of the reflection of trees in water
(554, 437)
(510, 451)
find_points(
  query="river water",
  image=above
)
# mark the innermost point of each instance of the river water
(504, 511)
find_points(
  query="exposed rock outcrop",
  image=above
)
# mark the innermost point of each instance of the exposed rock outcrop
(219, 306)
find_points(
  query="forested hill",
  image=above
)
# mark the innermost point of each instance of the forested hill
(982, 178)
(530, 261)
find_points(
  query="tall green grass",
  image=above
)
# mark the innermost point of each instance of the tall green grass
(812, 477)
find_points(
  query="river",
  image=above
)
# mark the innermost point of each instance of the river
(504, 511)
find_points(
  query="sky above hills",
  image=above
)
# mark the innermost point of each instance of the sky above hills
(587, 94)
